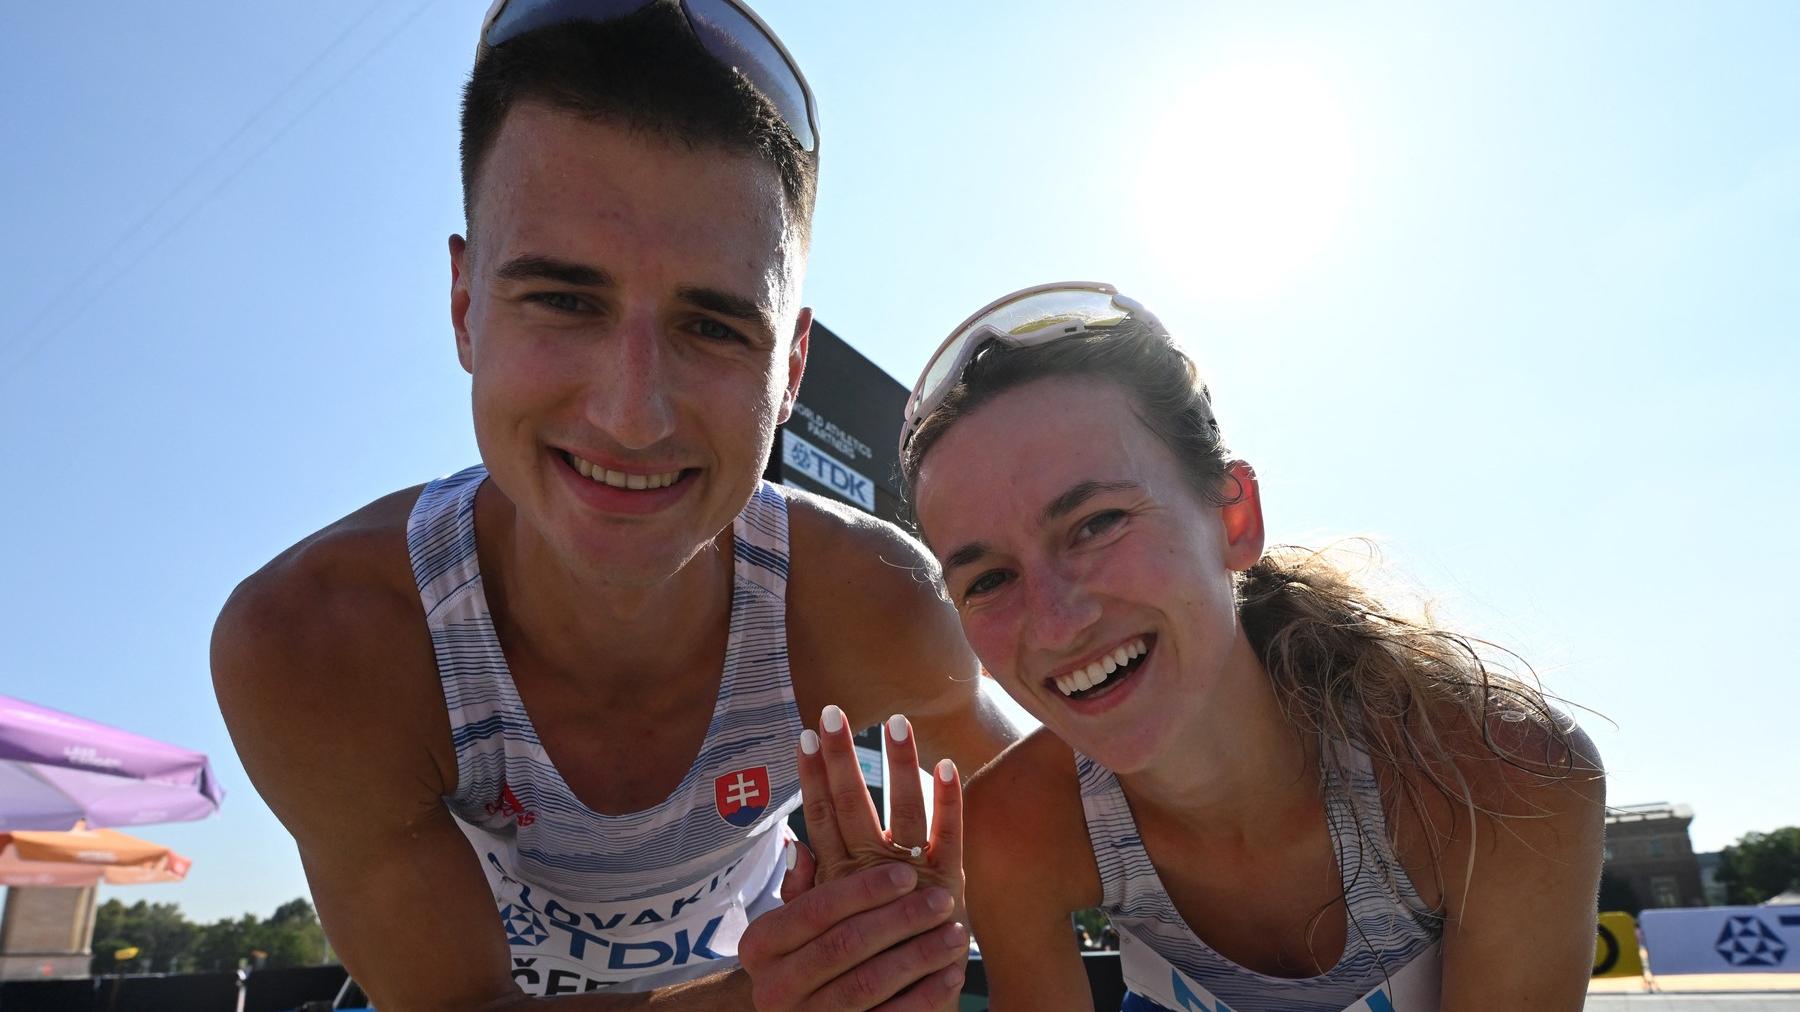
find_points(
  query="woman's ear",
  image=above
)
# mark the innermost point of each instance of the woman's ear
(1242, 517)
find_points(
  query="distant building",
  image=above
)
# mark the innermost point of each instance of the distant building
(1647, 849)
(1710, 886)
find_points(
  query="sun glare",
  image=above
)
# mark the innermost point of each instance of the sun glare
(1247, 179)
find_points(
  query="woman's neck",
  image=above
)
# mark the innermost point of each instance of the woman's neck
(1242, 771)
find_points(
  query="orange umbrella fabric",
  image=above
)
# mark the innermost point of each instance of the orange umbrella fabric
(84, 857)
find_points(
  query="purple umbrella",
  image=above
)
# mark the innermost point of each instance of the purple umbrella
(57, 769)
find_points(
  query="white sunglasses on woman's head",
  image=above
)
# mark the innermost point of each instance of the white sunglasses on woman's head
(1026, 318)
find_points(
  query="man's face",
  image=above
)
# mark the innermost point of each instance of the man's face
(629, 311)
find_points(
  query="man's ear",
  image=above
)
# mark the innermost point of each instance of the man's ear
(1242, 517)
(796, 363)
(461, 260)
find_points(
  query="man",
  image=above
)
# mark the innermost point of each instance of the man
(534, 725)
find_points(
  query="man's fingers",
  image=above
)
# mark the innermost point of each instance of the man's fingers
(800, 870)
(873, 982)
(946, 816)
(858, 823)
(934, 992)
(826, 905)
(906, 800)
(816, 805)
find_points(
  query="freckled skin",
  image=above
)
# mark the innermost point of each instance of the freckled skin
(623, 370)
(1151, 561)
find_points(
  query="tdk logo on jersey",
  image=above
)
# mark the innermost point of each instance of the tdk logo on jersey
(741, 795)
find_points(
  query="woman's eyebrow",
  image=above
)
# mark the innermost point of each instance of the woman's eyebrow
(1079, 493)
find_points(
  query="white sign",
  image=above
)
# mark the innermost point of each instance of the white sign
(827, 470)
(1722, 940)
(870, 761)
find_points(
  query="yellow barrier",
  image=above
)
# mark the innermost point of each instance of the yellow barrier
(1616, 947)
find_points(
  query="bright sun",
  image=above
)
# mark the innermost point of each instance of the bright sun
(1247, 179)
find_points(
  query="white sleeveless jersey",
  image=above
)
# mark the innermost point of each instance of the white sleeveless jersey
(616, 902)
(1391, 960)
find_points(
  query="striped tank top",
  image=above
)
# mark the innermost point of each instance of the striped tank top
(1390, 961)
(631, 902)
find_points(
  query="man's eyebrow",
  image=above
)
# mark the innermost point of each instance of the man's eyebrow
(726, 304)
(964, 555)
(1080, 493)
(531, 267)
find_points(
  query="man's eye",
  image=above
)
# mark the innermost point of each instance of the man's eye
(985, 582)
(1099, 524)
(713, 330)
(562, 302)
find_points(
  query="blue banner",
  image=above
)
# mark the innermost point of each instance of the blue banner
(1722, 939)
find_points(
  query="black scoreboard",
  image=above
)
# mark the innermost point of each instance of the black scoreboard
(841, 440)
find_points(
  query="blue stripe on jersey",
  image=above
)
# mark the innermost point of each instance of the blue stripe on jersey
(1389, 923)
(564, 846)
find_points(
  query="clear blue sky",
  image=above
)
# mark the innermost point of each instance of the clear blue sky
(1512, 288)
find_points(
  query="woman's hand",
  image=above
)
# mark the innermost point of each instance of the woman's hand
(845, 832)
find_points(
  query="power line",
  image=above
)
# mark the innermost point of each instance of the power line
(32, 349)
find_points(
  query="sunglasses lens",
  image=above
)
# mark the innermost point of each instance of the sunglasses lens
(740, 43)
(725, 31)
(1052, 311)
(1030, 319)
(509, 19)
(940, 367)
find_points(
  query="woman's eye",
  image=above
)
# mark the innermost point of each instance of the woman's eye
(713, 330)
(984, 583)
(1099, 524)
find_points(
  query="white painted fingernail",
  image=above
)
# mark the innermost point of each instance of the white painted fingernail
(946, 770)
(832, 720)
(897, 727)
(791, 855)
(809, 742)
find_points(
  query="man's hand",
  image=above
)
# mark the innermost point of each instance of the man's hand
(879, 927)
(865, 941)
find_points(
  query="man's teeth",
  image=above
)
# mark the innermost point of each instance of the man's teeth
(1100, 670)
(619, 479)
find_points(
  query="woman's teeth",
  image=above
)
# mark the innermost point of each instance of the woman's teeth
(619, 479)
(1099, 671)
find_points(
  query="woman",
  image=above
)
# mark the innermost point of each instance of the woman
(1284, 795)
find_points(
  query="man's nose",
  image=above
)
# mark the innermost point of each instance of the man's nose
(630, 398)
(1060, 611)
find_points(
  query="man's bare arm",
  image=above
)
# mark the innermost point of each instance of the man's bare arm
(868, 615)
(324, 672)
(326, 677)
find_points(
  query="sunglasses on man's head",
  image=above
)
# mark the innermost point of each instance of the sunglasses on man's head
(728, 30)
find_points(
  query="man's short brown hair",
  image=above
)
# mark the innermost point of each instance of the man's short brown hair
(645, 71)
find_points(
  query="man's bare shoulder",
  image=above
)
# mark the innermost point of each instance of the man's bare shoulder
(329, 636)
(347, 579)
(867, 625)
(840, 544)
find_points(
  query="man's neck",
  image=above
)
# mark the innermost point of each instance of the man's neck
(603, 634)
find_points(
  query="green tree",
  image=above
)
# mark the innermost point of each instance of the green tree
(167, 942)
(225, 944)
(159, 931)
(1761, 865)
(292, 936)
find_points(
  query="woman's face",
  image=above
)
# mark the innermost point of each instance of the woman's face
(1071, 545)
